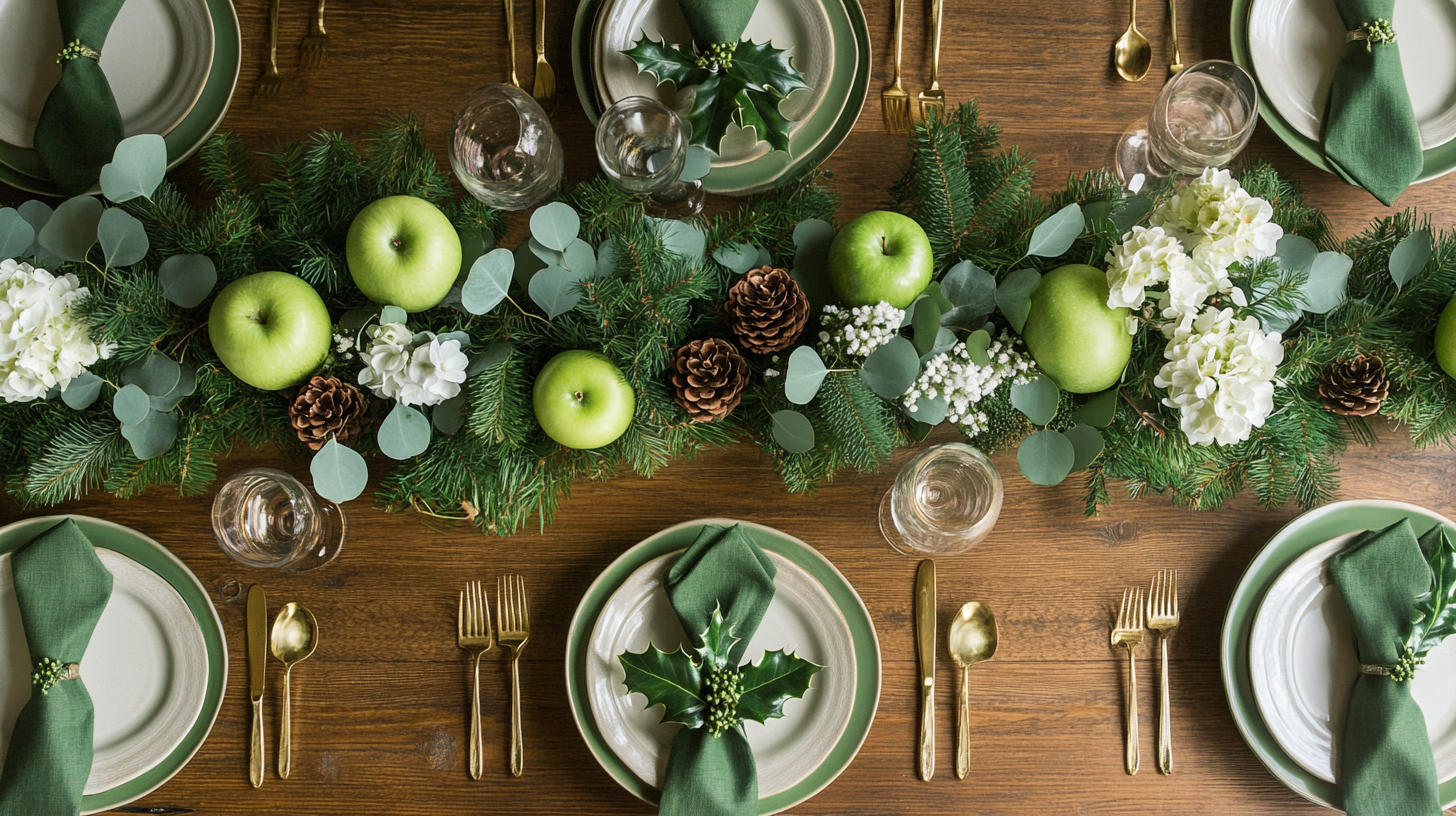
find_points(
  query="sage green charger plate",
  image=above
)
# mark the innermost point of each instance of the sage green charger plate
(1298, 536)
(825, 130)
(20, 166)
(1437, 162)
(862, 631)
(143, 550)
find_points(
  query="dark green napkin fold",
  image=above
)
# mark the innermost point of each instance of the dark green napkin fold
(717, 21)
(1386, 766)
(1371, 136)
(80, 125)
(724, 568)
(62, 588)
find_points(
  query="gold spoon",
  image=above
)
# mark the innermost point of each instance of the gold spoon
(972, 639)
(295, 635)
(1133, 54)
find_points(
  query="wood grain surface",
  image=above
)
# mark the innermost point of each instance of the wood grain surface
(380, 710)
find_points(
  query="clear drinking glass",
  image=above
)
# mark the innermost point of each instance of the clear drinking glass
(1203, 117)
(944, 502)
(266, 518)
(642, 146)
(504, 150)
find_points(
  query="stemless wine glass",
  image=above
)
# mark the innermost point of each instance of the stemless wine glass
(1203, 117)
(504, 150)
(945, 501)
(266, 518)
(642, 146)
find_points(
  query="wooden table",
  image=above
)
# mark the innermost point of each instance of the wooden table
(380, 712)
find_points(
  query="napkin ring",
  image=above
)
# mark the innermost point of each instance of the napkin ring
(51, 672)
(1378, 32)
(1403, 669)
(76, 50)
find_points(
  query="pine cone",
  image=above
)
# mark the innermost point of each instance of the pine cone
(326, 407)
(707, 378)
(1355, 387)
(767, 310)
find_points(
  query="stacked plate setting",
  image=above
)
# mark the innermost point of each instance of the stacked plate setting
(1288, 658)
(814, 612)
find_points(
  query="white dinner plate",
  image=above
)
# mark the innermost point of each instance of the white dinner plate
(802, 617)
(145, 669)
(1302, 663)
(1296, 45)
(157, 58)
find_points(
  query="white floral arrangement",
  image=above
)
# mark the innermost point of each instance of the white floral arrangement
(43, 343)
(964, 383)
(857, 332)
(1220, 375)
(398, 367)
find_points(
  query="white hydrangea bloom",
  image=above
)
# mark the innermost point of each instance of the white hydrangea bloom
(1146, 258)
(386, 359)
(1219, 222)
(1220, 375)
(859, 331)
(43, 344)
(1189, 286)
(424, 374)
(963, 383)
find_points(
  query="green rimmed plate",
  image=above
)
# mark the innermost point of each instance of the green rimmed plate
(1438, 161)
(20, 167)
(1299, 536)
(862, 630)
(155, 557)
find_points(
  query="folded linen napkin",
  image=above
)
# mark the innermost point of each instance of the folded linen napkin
(80, 125)
(717, 21)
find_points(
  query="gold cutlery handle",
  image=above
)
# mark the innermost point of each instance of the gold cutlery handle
(511, 38)
(477, 750)
(963, 727)
(255, 751)
(1165, 718)
(273, 34)
(319, 18)
(899, 35)
(1177, 63)
(540, 29)
(927, 730)
(518, 747)
(285, 729)
(1133, 759)
(937, 10)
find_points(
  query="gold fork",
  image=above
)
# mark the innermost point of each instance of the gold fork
(1163, 617)
(511, 39)
(515, 630)
(933, 98)
(545, 89)
(475, 637)
(316, 42)
(1128, 633)
(271, 81)
(894, 102)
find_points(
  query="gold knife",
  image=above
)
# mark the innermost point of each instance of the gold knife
(925, 649)
(257, 664)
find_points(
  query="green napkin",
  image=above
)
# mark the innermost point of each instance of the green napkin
(708, 775)
(717, 21)
(1386, 766)
(1371, 135)
(80, 125)
(62, 589)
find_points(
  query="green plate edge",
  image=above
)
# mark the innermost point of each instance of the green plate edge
(152, 555)
(1293, 540)
(20, 166)
(862, 630)
(1436, 162)
(748, 178)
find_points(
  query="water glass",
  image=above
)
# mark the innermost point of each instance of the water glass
(503, 149)
(642, 146)
(1203, 117)
(945, 501)
(266, 518)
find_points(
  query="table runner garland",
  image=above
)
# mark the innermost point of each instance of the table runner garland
(1254, 356)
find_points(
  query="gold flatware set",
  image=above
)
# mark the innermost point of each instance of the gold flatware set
(477, 635)
(291, 640)
(1161, 615)
(1132, 54)
(972, 638)
(313, 50)
(899, 114)
(544, 90)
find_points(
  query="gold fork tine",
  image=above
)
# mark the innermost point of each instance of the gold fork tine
(932, 99)
(894, 101)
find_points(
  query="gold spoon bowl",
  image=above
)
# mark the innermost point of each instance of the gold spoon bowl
(295, 636)
(1133, 54)
(972, 639)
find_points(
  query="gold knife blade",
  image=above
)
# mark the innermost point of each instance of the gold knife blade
(257, 640)
(925, 651)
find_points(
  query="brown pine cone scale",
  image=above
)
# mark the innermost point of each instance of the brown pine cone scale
(767, 310)
(325, 408)
(708, 377)
(1355, 387)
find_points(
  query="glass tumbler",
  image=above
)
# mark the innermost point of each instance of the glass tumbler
(266, 518)
(1203, 117)
(503, 149)
(642, 146)
(945, 501)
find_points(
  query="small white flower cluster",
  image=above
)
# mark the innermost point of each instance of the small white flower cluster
(43, 344)
(770, 373)
(1220, 375)
(425, 374)
(963, 383)
(344, 346)
(859, 331)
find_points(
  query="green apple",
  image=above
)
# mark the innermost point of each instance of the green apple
(404, 252)
(582, 400)
(271, 329)
(1072, 334)
(1446, 339)
(880, 256)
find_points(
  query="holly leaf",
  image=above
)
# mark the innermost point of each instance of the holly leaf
(717, 642)
(715, 105)
(760, 111)
(669, 679)
(763, 67)
(667, 63)
(1435, 613)
(779, 677)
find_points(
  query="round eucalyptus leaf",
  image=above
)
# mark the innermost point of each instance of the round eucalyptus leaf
(607, 255)
(555, 225)
(1046, 457)
(803, 375)
(339, 473)
(581, 259)
(925, 327)
(738, 257)
(1410, 256)
(156, 374)
(1295, 253)
(932, 291)
(404, 433)
(1128, 211)
(970, 287)
(929, 410)
(474, 242)
(765, 258)
(545, 253)
(812, 238)
(945, 340)
(16, 234)
(447, 416)
(792, 431)
(187, 280)
(82, 391)
(977, 344)
(698, 164)
(136, 168)
(494, 354)
(185, 387)
(36, 213)
(1325, 287)
(892, 368)
(1086, 444)
(1056, 235)
(555, 290)
(1013, 296)
(490, 277)
(684, 240)
(1098, 410)
(528, 263)
(123, 238)
(71, 231)
(1037, 399)
(1095, 213)
(152, 436)
(393, 314)
(354, 320)
(458, 336)
(131, 404)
